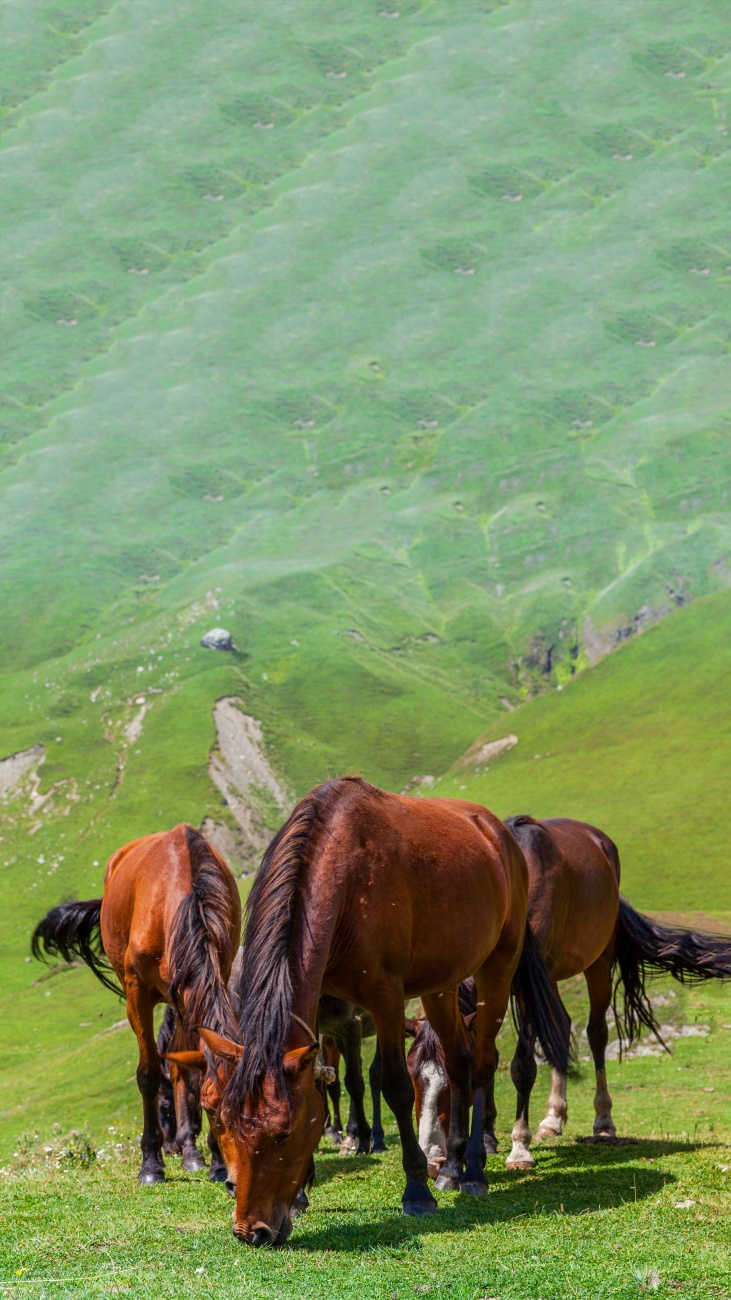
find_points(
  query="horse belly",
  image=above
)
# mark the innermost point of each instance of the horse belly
(449, 944)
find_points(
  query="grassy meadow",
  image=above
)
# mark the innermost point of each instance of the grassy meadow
(393, 339)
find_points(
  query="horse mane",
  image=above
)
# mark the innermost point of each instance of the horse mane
(200, 943)
(265, 982)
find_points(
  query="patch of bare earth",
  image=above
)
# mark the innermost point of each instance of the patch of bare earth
(256, 797)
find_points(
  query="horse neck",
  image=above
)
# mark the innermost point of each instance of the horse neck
(314, 933)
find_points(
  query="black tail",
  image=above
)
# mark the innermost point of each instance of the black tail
(200, 942)
(72, 930)
(537, 1008)
(646, 948)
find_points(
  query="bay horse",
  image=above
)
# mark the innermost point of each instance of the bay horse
(347, 901)
(167, 927)
(584, 925)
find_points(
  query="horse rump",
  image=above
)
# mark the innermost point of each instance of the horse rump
(71, 931)
(538, 1010)
(646, 948)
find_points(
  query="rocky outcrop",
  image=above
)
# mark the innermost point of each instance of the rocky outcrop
(15, 769)
(257, 799)
(218, 639)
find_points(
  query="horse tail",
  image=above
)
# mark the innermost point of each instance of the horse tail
(199, 944)
(645, 948)
(537, 1009)
(71, 931)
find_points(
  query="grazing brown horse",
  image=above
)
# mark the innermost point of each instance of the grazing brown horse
(347, 901)
(584, 926)
(167, 926)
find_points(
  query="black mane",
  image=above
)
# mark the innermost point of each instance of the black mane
(200, 942)
(265, 982)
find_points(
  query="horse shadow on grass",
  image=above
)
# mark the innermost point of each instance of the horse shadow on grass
(570, 1179)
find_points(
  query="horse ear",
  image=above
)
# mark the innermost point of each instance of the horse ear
(186, 1060)
(298, 1060)
(468, 1019)
(219, 1045)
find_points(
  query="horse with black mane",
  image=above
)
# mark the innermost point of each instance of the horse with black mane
(583, 925)
(346, 903)
(167, 927)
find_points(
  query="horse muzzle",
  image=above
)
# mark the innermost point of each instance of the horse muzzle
(262, 1234)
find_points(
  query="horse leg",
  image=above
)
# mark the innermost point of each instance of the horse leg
(139, 1013)
(443, 1013)
(166, 1116)
(349, 1144)
(217, 1172)
(492, 983)
(398, 1091)
(374, 1078)
(191, 1159)
(523, 1073)
(358, 1136)
(491, 1114)
(331, 1056)
(599, 983)
(557, 1111)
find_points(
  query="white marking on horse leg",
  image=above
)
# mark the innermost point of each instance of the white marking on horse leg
(603, 1124)
(556, 1111)
(431, 1134)
(520, 1157)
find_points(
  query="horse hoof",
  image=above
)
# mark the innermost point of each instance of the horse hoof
(545, 1131)
(194, 1163)
(446, 1183)
(217, 1176)
(606, 1134)
(520, 1164)
(348, 1146)
(379, 1146)
(417, 1208)
(148, 1177)
(473, 1188)
(490, 1146)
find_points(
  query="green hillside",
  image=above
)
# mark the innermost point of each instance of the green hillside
(641, 746)
(302, 305)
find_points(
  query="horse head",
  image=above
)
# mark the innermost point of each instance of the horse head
(275, 1135)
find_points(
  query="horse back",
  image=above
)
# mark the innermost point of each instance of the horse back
(145, 883)
(425, 886)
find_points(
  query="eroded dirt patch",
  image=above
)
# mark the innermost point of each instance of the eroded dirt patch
(255, 795)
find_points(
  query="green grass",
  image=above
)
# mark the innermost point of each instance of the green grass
(590, 1222)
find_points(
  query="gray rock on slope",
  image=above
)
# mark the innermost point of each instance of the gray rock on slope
(218, 639)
